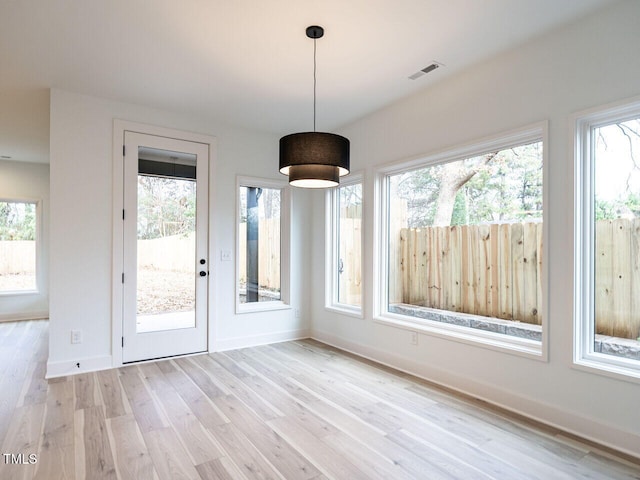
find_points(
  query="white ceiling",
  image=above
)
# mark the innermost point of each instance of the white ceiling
(246, 62)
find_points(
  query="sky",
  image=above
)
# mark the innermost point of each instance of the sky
(613, 161)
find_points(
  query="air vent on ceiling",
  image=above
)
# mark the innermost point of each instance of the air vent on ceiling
(425, 70)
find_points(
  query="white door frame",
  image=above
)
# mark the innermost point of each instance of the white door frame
(117, 300)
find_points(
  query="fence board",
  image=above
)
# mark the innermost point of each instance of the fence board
(603, 295)
(433, 260)
(422, 255)
(351, 277)
(466, 300)
(416, 288)
(505, 277)
(539, 267)
(493, 270)
(404, 266)
(455, 266)
(517, 258)
(530, 272)
(481, 266)
(621, 237)
(634, 315)
(269, 253)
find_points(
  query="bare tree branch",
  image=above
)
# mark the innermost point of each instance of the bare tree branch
(623, 128)
(454, 176)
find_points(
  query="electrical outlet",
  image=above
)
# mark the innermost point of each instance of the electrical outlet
(414, 338)
(225, 255)
(76, 336)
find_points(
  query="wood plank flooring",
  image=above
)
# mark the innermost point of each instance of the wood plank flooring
(295, 410)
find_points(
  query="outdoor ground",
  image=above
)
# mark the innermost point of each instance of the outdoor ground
(13, 282)
(162, 291)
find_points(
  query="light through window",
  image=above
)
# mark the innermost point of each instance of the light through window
(616, 227)
(344, 227)
(464, 242)
(259, 246)
(17, 246)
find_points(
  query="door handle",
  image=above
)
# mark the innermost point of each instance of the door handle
(203, 273)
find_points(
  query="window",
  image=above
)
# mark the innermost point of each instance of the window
(344, 262)
(608, 240)
(262, 244)
(18, 233)
(462, 243)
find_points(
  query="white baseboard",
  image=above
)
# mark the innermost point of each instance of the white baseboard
(567, 421)
(70, 367)
(255, 340)
(17, 317)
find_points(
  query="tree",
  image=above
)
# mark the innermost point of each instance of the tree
(617, 177)
(499, 186)
(453, 176)
(166, 206)
(17, 221)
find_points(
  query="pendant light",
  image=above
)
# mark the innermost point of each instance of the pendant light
(314, 159)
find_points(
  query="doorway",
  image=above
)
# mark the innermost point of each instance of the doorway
(165, 247)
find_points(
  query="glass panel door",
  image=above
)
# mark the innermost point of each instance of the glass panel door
(166, 287)
(165, 247)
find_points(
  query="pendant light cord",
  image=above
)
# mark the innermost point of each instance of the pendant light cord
(314, 84)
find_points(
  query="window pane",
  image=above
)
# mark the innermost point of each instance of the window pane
(465, 242)
(17, 246)
(166, 252)
(349, 245)
(259, 244)
(616, 207)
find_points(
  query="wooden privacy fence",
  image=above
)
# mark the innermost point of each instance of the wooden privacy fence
(17, 256)
(173, 253)
(177, 253)
(496, 270)
(268, 253)
(490, 270)
(350, 241)
(617, 278)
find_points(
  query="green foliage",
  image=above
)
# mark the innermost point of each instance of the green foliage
(605, 210)
(166, 206)
(627, 205)
(17, 221)
(460, 214)
(507, 188)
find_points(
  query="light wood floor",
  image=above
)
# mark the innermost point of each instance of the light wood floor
(296, 410)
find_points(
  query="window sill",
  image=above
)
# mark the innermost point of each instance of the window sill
(16, 293)
(345, 310)
(609, 367)
(256, 307)
(480, 338)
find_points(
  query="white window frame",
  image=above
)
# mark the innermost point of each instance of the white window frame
(493, 341)
(332, 249)
(584, 356)
(38, 240)
(285, 244)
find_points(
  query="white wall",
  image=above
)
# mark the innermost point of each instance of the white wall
(590, 63)
(81, 228)
(29, 181)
